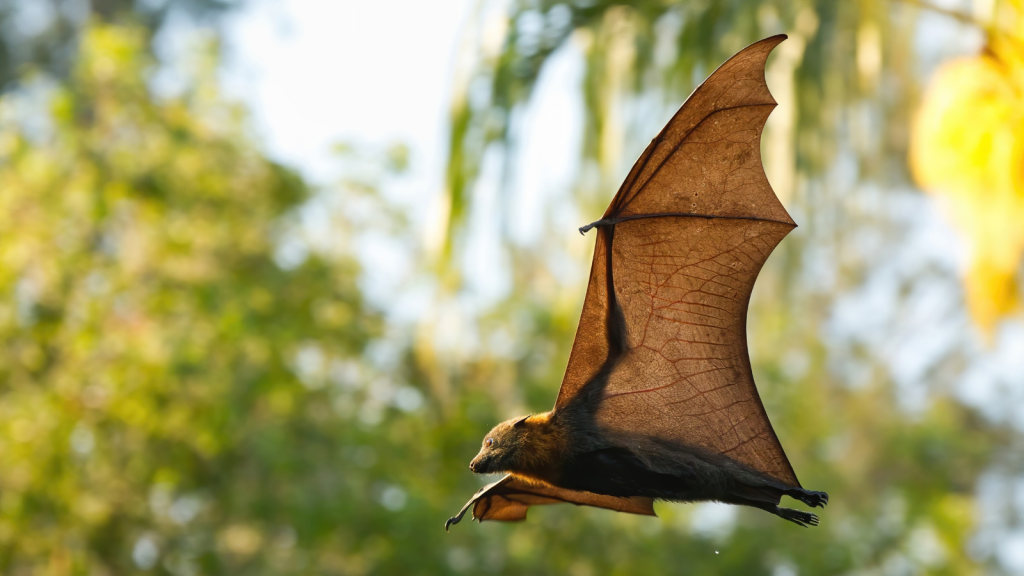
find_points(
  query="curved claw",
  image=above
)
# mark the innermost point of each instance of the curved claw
(455, 519)
(812, 498)
(602, 222)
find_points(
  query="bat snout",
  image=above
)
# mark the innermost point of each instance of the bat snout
(479, 465)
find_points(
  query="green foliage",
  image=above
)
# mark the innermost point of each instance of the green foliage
(45, 34)
(149, 397)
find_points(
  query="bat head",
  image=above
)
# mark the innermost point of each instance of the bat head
(503, 447)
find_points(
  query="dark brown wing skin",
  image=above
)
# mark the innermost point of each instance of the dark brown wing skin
(508, 499)
(678, 252)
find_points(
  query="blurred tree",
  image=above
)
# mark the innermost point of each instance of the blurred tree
(44, 34)
(150, 412)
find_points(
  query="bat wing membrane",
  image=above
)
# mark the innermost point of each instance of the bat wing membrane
(677, 253)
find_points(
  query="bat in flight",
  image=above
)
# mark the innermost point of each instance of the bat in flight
(658, 400)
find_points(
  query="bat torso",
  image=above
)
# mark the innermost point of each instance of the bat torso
(623, 464)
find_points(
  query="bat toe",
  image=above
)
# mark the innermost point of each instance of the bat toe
(798, 517)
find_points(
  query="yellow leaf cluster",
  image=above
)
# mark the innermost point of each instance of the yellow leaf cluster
(967, 149)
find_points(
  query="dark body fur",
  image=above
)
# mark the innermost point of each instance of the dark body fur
(639, 466)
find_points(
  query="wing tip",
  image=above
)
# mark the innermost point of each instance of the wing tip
(770, 43)
(773, 40)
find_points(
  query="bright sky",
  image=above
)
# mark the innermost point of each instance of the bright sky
(317, 72)
(373, 74)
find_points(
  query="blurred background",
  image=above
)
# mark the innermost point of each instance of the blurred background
(270, 270)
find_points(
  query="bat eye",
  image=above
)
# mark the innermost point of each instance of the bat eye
(489, 441)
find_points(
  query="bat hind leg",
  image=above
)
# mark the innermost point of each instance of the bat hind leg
(767, 498)
(800, 517)
(810, 497)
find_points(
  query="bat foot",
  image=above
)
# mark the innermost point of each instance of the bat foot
(798, 517)
(810, 497)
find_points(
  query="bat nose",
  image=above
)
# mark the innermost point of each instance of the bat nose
(478, 465)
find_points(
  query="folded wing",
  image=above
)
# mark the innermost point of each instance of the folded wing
(509, 498)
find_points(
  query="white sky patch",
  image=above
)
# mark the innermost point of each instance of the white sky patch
(713, 520)
(549, 146)
(373, 74)
(315, 73)
(488, 279)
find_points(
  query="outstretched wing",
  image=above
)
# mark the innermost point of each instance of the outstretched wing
(508, 499)
(678, 251)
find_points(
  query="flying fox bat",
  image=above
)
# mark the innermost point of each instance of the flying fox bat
(658, 400)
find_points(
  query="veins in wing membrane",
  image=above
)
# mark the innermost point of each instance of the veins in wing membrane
(673, 383)
(632, 194)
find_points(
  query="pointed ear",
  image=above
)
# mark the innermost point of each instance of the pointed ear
(521, 422)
